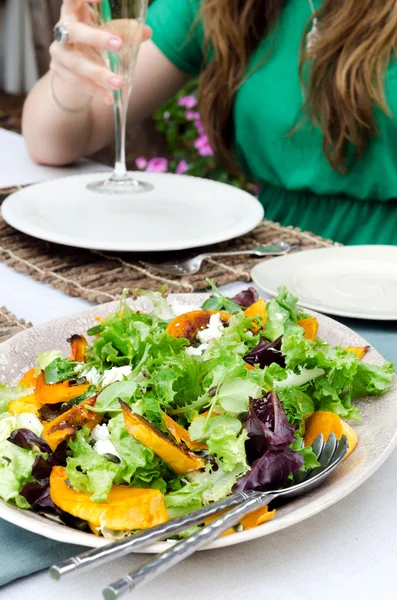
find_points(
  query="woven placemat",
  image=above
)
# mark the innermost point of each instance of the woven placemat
(10, 325)
(101, 277)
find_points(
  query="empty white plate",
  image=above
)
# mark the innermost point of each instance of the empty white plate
(180, 212)
(349, 281)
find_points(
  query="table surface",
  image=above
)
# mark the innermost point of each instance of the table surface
(347, 551)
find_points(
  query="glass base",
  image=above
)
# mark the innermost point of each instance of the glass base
(125, 184)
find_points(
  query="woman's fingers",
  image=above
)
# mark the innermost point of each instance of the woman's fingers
(147, 33)
(79, 33)
(85, 86)
(81, 66)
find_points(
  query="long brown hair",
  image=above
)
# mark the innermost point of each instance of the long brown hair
(358, 38)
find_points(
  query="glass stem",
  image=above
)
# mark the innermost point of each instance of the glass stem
(120, 122)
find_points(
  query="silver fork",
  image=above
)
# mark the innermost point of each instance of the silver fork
(328, 454)
(193, 265)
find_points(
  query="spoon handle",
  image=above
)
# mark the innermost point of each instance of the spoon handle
(185, 548)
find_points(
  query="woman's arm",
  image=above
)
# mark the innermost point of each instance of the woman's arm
(80, 120)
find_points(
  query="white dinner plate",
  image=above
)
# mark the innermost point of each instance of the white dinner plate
(180, 212)
(377, 432)
(349, 281)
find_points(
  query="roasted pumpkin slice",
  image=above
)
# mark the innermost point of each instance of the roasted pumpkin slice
(176, 457)
(327, 423)
(258, 310)
(188, 325)
(78, 346)
(359, 351)
(52, 393)
(63, 427)
(310, 326)
(181, 435)
(29, 379)
(126, 508)
(258, 517)
(24, 404)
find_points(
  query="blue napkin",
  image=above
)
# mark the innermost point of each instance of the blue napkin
(23, 553)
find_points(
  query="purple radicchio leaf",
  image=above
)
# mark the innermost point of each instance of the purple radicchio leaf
(267, 427)
(48, 412)
(42, 467)
(270, 471)
(37, 493)
(266, 353)
(26, 439)
(246, 297)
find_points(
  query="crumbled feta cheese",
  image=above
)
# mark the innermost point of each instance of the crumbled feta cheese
(196, 351)
(116, 374)
(249, 334)
(100, 432)
(92, 375)
(105, 447)
(214, 330)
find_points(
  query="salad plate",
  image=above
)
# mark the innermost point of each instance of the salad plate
(377, 432)
(179, 212)
(350, 281)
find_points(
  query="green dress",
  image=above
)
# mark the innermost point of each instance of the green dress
(298, 186)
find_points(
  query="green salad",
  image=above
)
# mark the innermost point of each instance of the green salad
(162, 413)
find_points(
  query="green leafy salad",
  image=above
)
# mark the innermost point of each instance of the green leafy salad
(162, 413)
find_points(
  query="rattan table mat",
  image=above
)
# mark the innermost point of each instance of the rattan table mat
(101, 276)
(10, 325)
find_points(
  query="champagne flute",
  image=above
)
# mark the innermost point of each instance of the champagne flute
(125, 19)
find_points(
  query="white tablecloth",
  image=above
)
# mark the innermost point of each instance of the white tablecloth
(347, 552)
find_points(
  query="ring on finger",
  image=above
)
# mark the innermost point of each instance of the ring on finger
(61, 34)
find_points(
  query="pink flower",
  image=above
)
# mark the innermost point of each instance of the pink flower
(141, 163)
(182, 167)
(206, 150)
(201, 141)
(199, 126)
(192, 115)
(157, 165)
(203, 146)
(188, 102)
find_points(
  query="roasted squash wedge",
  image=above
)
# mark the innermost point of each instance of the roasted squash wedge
(188, 325)
(359, 351)
(258, 517)
(327, 423)
(29, 379)
(180, 434)
(25, 404)
(310, 326)
(78, 346)
(52, 393)
(127, 508)
(257, 309)
(177, 458)
(67, 424)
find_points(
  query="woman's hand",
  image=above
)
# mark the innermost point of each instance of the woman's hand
(79, 63)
